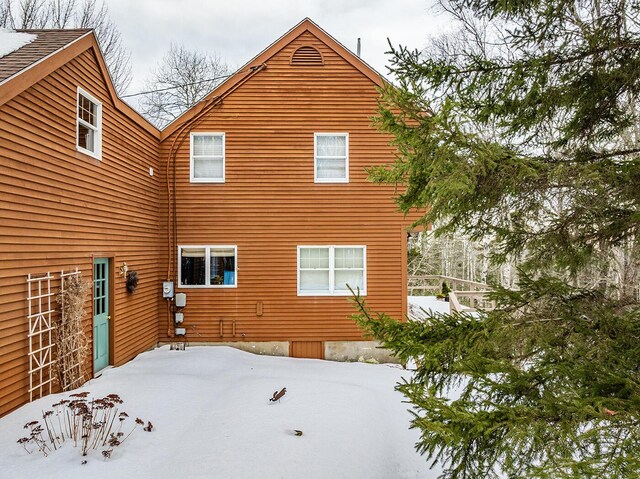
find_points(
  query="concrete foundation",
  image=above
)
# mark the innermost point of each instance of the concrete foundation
(346, 351)
(357, 351)
(267, 348)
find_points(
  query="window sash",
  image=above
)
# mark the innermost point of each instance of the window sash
(207, 161)
(345, 263)
(331, 165)
(218, 267)
(89, 109)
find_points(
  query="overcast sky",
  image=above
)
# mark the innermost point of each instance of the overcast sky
(238, 30)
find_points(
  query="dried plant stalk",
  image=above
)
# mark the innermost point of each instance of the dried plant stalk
(71, 342)
(89, 424)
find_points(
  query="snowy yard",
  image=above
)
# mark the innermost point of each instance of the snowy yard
(420, 306)
(212, 418)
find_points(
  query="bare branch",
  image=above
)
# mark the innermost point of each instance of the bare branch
(182, 79)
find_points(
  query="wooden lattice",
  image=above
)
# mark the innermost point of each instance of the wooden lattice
(40, 337)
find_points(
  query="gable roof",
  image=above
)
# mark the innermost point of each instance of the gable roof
(256, 63)
(52, 49)
(46, 43)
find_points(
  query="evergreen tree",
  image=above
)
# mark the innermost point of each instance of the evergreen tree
(523, 128)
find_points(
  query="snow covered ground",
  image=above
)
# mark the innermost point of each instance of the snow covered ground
(11, 40)
(213, 419)
(419, 306)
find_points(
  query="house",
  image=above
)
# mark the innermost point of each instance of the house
(76, 190)
(254, 204)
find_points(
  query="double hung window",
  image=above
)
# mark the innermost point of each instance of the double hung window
(207, 158)
(89, 125)
(331, 162)
(327, 270)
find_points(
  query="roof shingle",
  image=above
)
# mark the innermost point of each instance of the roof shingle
(46, 43)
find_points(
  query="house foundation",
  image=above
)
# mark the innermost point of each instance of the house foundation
(342, 351)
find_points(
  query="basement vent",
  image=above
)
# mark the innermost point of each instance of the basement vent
(306, 56)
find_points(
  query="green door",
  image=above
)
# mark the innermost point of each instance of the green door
(100, 313)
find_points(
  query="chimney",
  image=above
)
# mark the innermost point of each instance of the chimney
(358, 48)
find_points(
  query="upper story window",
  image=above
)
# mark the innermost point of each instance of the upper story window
(89, 125)
(327, 270)
(331, 163)
(207, 266)
(207, 158)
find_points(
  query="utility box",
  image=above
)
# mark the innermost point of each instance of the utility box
(179, 318)
(167, 289)
(181, 300)
(181, 331)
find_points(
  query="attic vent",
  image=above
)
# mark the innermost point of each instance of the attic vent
(305, 56)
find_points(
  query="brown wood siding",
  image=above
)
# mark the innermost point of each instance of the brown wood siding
(59, 209)
(306, 349)
(270, 204)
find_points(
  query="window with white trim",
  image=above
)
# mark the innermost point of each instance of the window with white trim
(207, 157)
(327, 270)
(331, 157)
(212, 266)
(89, 125)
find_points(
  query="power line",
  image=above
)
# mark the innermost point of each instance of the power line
(250, 69)
(178, 86)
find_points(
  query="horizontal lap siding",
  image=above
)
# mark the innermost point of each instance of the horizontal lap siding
(59, 209)
(270, 204)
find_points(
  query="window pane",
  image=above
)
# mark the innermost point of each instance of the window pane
(314, 280)
(193, 266)
(353, 278)
(210, 145)
(331, 168)
(223, 266)
(304, 258)
(349, 258)
(86, 138)
(331, 145)
(206, 168)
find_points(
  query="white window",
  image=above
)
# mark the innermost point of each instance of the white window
(207, 157)
(89, 125)
(331, 162)
(207, 266)
(327, 270)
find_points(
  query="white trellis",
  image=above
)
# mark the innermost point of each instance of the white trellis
(40, 335)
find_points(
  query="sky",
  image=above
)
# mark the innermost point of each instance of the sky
(237, 30)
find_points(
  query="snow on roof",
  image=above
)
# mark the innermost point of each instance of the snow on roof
(11, 40)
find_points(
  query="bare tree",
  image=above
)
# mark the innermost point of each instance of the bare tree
(61, 12)
(5, 12)
(36, 14)
(181, 79)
